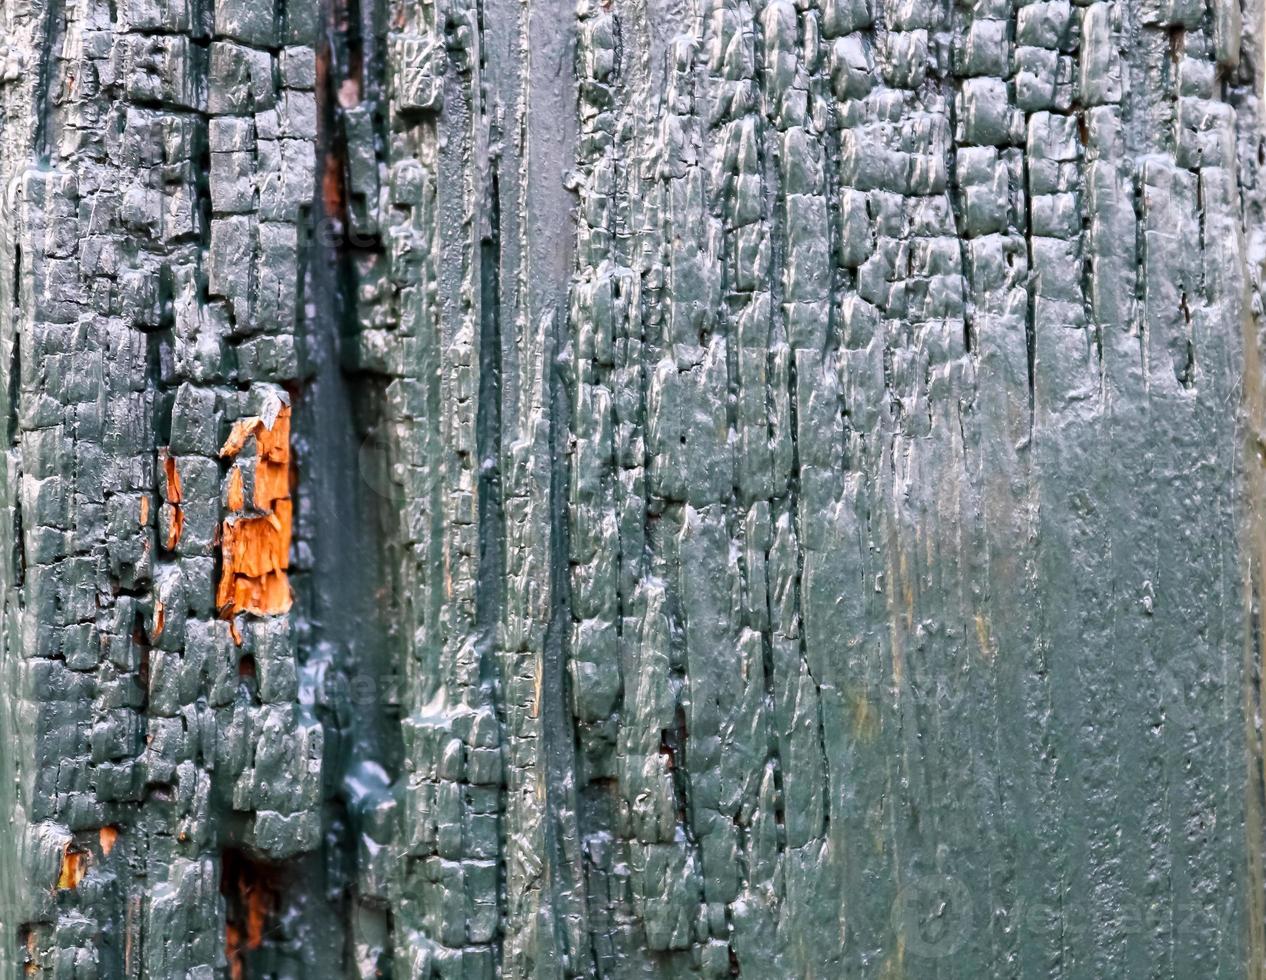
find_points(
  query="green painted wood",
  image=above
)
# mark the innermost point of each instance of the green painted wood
(631, 489)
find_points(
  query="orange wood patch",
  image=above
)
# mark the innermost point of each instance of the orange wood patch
(172, 495)
(160, 619)
(258, 907)
(233, 951)
(255, 541)
(74, 867)
(235, 498)
(252, 904)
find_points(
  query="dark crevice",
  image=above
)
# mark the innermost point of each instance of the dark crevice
(488, 438)
(954, 190)
(558, 726)
(50, 58)
(1030, 309)
(252, 904)
(343, 633)
(16, 297)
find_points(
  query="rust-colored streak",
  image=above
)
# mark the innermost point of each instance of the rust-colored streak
(233, 951)
(332, 196)
(160, 619)
(144, 511)
(258, 907)
(257, 910)
(74, 867)
(107, 837)
(251, 904)
(332, 186)
(175, 528)
(172, 491)
(255, 541)
(172, 494)
(130, 930)
(235, 497)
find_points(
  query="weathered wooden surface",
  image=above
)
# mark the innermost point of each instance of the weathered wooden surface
(732, 488)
